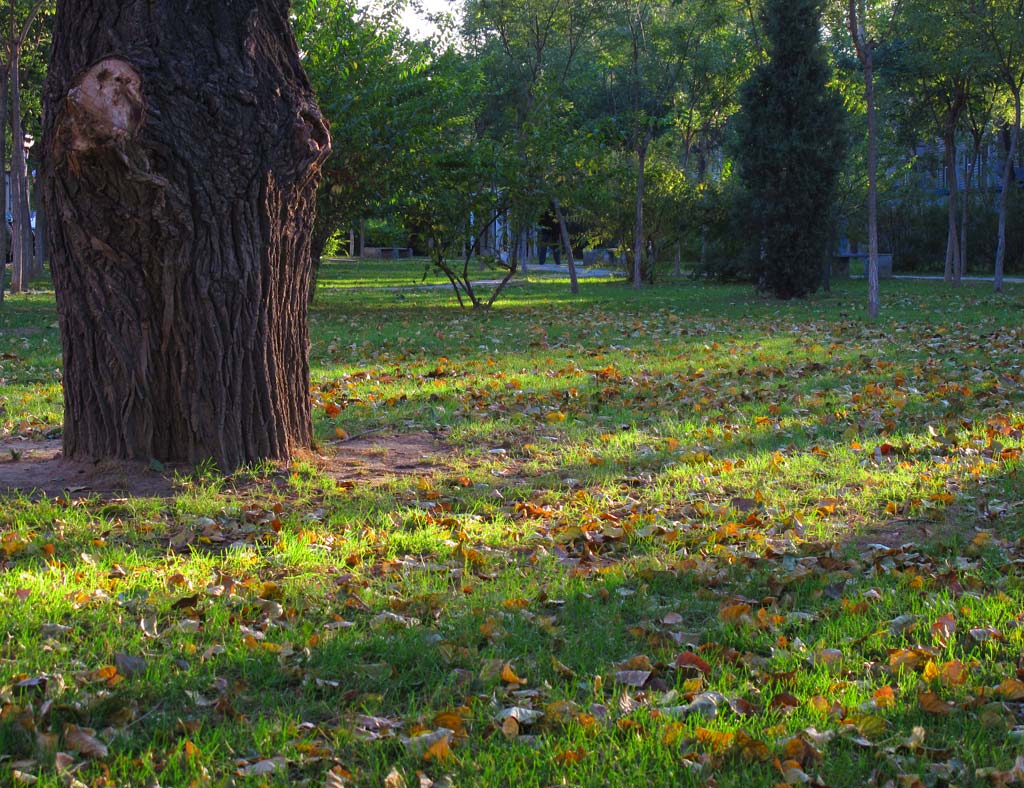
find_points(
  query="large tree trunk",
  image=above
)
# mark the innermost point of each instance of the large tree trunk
(1009, 181)
(182, 153)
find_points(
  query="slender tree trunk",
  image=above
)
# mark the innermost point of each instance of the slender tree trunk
(638, 227)
(181, 157)
(869, 94)
(5, 231)
(574, 284)
(18, 218)
(40, 235)
(32, 263)
(1004, 195)
(952, 272)
(965, 203)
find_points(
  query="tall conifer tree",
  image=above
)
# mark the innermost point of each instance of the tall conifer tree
(790, 147)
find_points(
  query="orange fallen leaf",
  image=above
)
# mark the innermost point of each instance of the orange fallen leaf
(884, 697)
(1011, 689)
(717, 741)
(734, 613)
(509, 676)
(933, 704)
(570, 756)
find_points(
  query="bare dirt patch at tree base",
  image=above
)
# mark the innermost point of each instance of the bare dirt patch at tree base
(37, 468)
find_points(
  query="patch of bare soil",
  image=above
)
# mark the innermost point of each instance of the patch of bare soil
(38, 468)
(899, 532)
(375, 459)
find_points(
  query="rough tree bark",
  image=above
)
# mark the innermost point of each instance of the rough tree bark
(182, 152)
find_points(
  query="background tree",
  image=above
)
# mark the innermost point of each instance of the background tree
(370, 80)
(999, 24)
(646, 49)
(864, 43)
(790, 145)
(182, 158)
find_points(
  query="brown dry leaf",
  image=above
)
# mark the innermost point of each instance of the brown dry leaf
(84, 741)
(910, 659)
(674, 733)
(562, 670)
(337, 778)
(510, 728)
(561, 711)
(1011, 689)
(943, 629)
(508, 675)
(632, 678)
(690, 660)
(868, 725)
(440, 750)
(394, 779)
(785, 701)
(751, 749)
(264, 767)
(716, 741)
(933, 704)
(791, 772)
(734, 613)
(639, 662)
(129, 666)
(570, 756)
(953, 673)
(452, 720)
(802, 751)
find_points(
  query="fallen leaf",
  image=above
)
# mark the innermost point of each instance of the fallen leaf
(690, 660)
(933, 704)
(264, 767)
(84, 741)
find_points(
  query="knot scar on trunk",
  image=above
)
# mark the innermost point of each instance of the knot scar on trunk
(105, 105)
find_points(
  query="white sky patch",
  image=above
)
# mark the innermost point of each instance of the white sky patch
(415, 17)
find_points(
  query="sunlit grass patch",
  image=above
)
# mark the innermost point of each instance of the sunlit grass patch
(689, 533)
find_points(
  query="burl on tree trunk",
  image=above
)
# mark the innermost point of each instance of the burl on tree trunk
(182, 150)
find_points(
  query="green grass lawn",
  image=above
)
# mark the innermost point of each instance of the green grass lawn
(682, 536)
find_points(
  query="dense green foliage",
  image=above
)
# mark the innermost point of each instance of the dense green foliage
(625, 110)
(789, 147)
